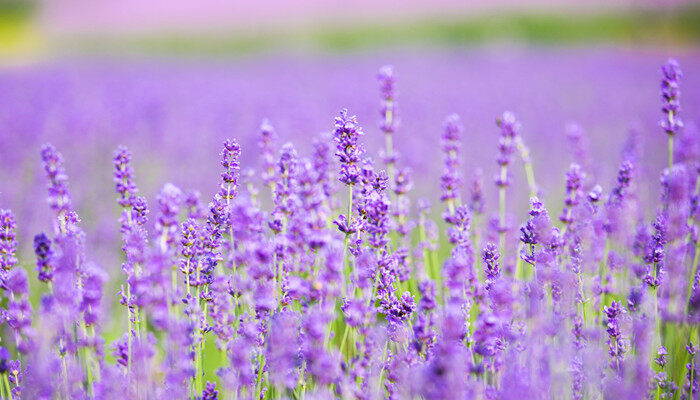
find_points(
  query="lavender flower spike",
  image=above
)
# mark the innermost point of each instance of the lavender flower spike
(389, 113)
(266, 143)
(491, 268)
(229, 178)
(346, 134)
(506, 145)
(44, 254)
(671, 106)
(670, 96)
(59, 197)
(8, 244)
(450, 179)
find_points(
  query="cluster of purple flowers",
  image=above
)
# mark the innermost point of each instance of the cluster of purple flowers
(255, 294)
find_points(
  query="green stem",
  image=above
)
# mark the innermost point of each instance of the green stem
(345, 245)
(601, 273)
(518, 262)
(2, 392)
(345, 338)
(692, 375)
(65, 373)
(389, 155)
(258, 383)
(502, 214)
(91, 331)
(670, 153)
(583, 298)
(128, 333)
(527, 163)
(6, 383)
(88, 364)
(694, 269)
(426, 255)
(381, 371)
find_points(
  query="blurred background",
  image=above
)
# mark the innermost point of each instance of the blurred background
(171, 79)
(39, 29)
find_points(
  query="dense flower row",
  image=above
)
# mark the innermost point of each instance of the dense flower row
(283, 287)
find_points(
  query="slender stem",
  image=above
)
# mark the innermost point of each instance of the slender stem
(603, 269)
(128, 333)
(230, 229)
(389, 156)
(345, 338)
(87, 358)
(694, 269)
(670, 153)
(91, 331)
(6, 383)
(65, 373)
(258, 384)
(692, 375)
(2, 392)
(381, 371)
(518, 261)
(375, 287)
(696, 257)
(583, 299)
(502, 216)
(527, 163)
(345, 245)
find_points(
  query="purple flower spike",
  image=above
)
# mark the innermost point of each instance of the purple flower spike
(210, 392)
(450, 179)
(616, 345)
(510, 127)
(44, 262)
(124, 177)
(490, 256)
(389, 109)
(229, 178)
(670, 96)
(169, 200)
(346, 135)
(476, 200)
(8, 242)
(266, 144)
(59, 197)
(574, 182)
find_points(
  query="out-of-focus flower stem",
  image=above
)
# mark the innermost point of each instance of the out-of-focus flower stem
(6, 384)
(345, 243)
(601, 274)
(670, 145)
(380, 387)
(258, 383)
(87, 359)
(527, 165)
(502, 213)
(345, 338)
(696, 257)
(389, 151)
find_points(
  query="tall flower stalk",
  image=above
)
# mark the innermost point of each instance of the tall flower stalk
(671, 106)
(506, 145)
(389, 114)
(451, 176)
(346, 135)
(134, 241)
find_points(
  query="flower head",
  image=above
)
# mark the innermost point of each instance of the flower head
(450, 179)
(348, 151)
(59, 197)
(670, 96)
(229, 178)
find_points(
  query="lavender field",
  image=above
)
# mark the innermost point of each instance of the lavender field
(439, 224)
